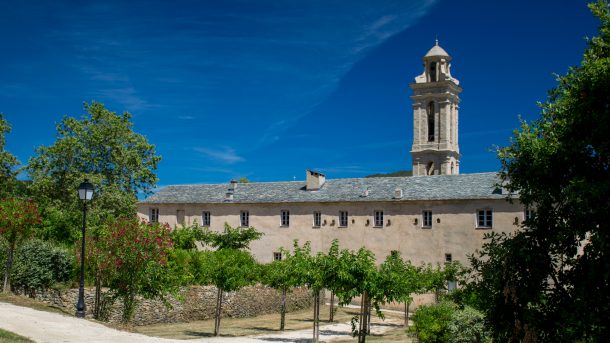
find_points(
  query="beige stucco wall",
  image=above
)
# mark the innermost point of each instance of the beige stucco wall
(455, 234)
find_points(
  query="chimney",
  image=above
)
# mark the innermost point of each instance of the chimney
(232, 185)
(315, 180)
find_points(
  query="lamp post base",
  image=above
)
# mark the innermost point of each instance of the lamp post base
(80, 313)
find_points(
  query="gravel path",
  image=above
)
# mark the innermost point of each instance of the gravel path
(41, 326)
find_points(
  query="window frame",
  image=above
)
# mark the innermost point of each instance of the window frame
(486, 214)
(285, 218)
(343, 215)
(317, 218)
(378, 218)
(153, 215)
(426, 219)
(244, 218)
(276, 254)
(206, 218)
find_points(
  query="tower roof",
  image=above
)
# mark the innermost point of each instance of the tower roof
(436, 51)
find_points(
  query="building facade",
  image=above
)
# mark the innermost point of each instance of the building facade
(436, 216)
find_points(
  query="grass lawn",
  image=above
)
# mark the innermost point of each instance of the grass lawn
(9, 337)
(266, 324)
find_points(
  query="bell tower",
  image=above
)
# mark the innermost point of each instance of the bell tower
(435, 99)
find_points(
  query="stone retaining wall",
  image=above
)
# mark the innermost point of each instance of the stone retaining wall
(198, 303)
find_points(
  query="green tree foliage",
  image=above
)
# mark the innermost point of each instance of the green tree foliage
(229, 270)
(283, 276)
(133, 259)
(102, 147)
(17, 219)
(8, 162)
(551, 280)
(39, 265)
(231, 238)
(399, 279)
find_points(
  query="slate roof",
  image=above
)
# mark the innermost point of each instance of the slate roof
(440, 187)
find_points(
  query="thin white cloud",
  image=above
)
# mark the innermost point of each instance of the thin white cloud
(186, 117)
(225, 154)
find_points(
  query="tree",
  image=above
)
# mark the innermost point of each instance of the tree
(551, 280)
(399, 279)
(283, 276)
(229, 270)
(17, 219)
(102, 147)
(8, 162)
(132, 257)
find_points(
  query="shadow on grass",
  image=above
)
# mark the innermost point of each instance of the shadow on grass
(205, 334)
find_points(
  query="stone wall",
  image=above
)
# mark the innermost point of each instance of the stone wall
(198, 303)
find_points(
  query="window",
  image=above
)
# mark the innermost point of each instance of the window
(154, 215)
(277, 256)
(378, 218)
(244, 217)
(448, 258)
(206, 219)
(431, 121)
(342, 218)
(528, 214)
(317, 219)
(484, 218)
(433, 77)
(430, 168)
(285, 220)
(426, 218)
(180, 217)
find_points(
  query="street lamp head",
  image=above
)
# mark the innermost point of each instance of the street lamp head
(85, 191)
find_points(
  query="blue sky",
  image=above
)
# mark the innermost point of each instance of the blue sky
(266, 89)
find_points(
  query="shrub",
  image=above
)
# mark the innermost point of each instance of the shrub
(468, 326)
(39, 265)
(431, 322)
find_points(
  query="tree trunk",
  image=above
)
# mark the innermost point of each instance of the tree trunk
(7, 271)
(331, 316)
(218, 313)
(316, 316)
(362, 320)
(368, 316)
(283, 310)
(98, 295)
(407, 305)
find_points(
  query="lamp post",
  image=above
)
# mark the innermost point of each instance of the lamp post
(85, 193)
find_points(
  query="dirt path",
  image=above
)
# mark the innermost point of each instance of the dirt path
(41, 326)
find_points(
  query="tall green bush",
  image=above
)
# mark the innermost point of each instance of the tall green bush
(431, 322)
(468, 326)
(39, 265)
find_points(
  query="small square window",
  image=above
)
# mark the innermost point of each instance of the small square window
(244, 217)
(277, 256)
(528, 214)
(342, 218)
(378, 218)
(317, 219)
(448, 258)
(426, 219)
(484, 218)
(285, 218)
(206, 219)
(154, 215)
